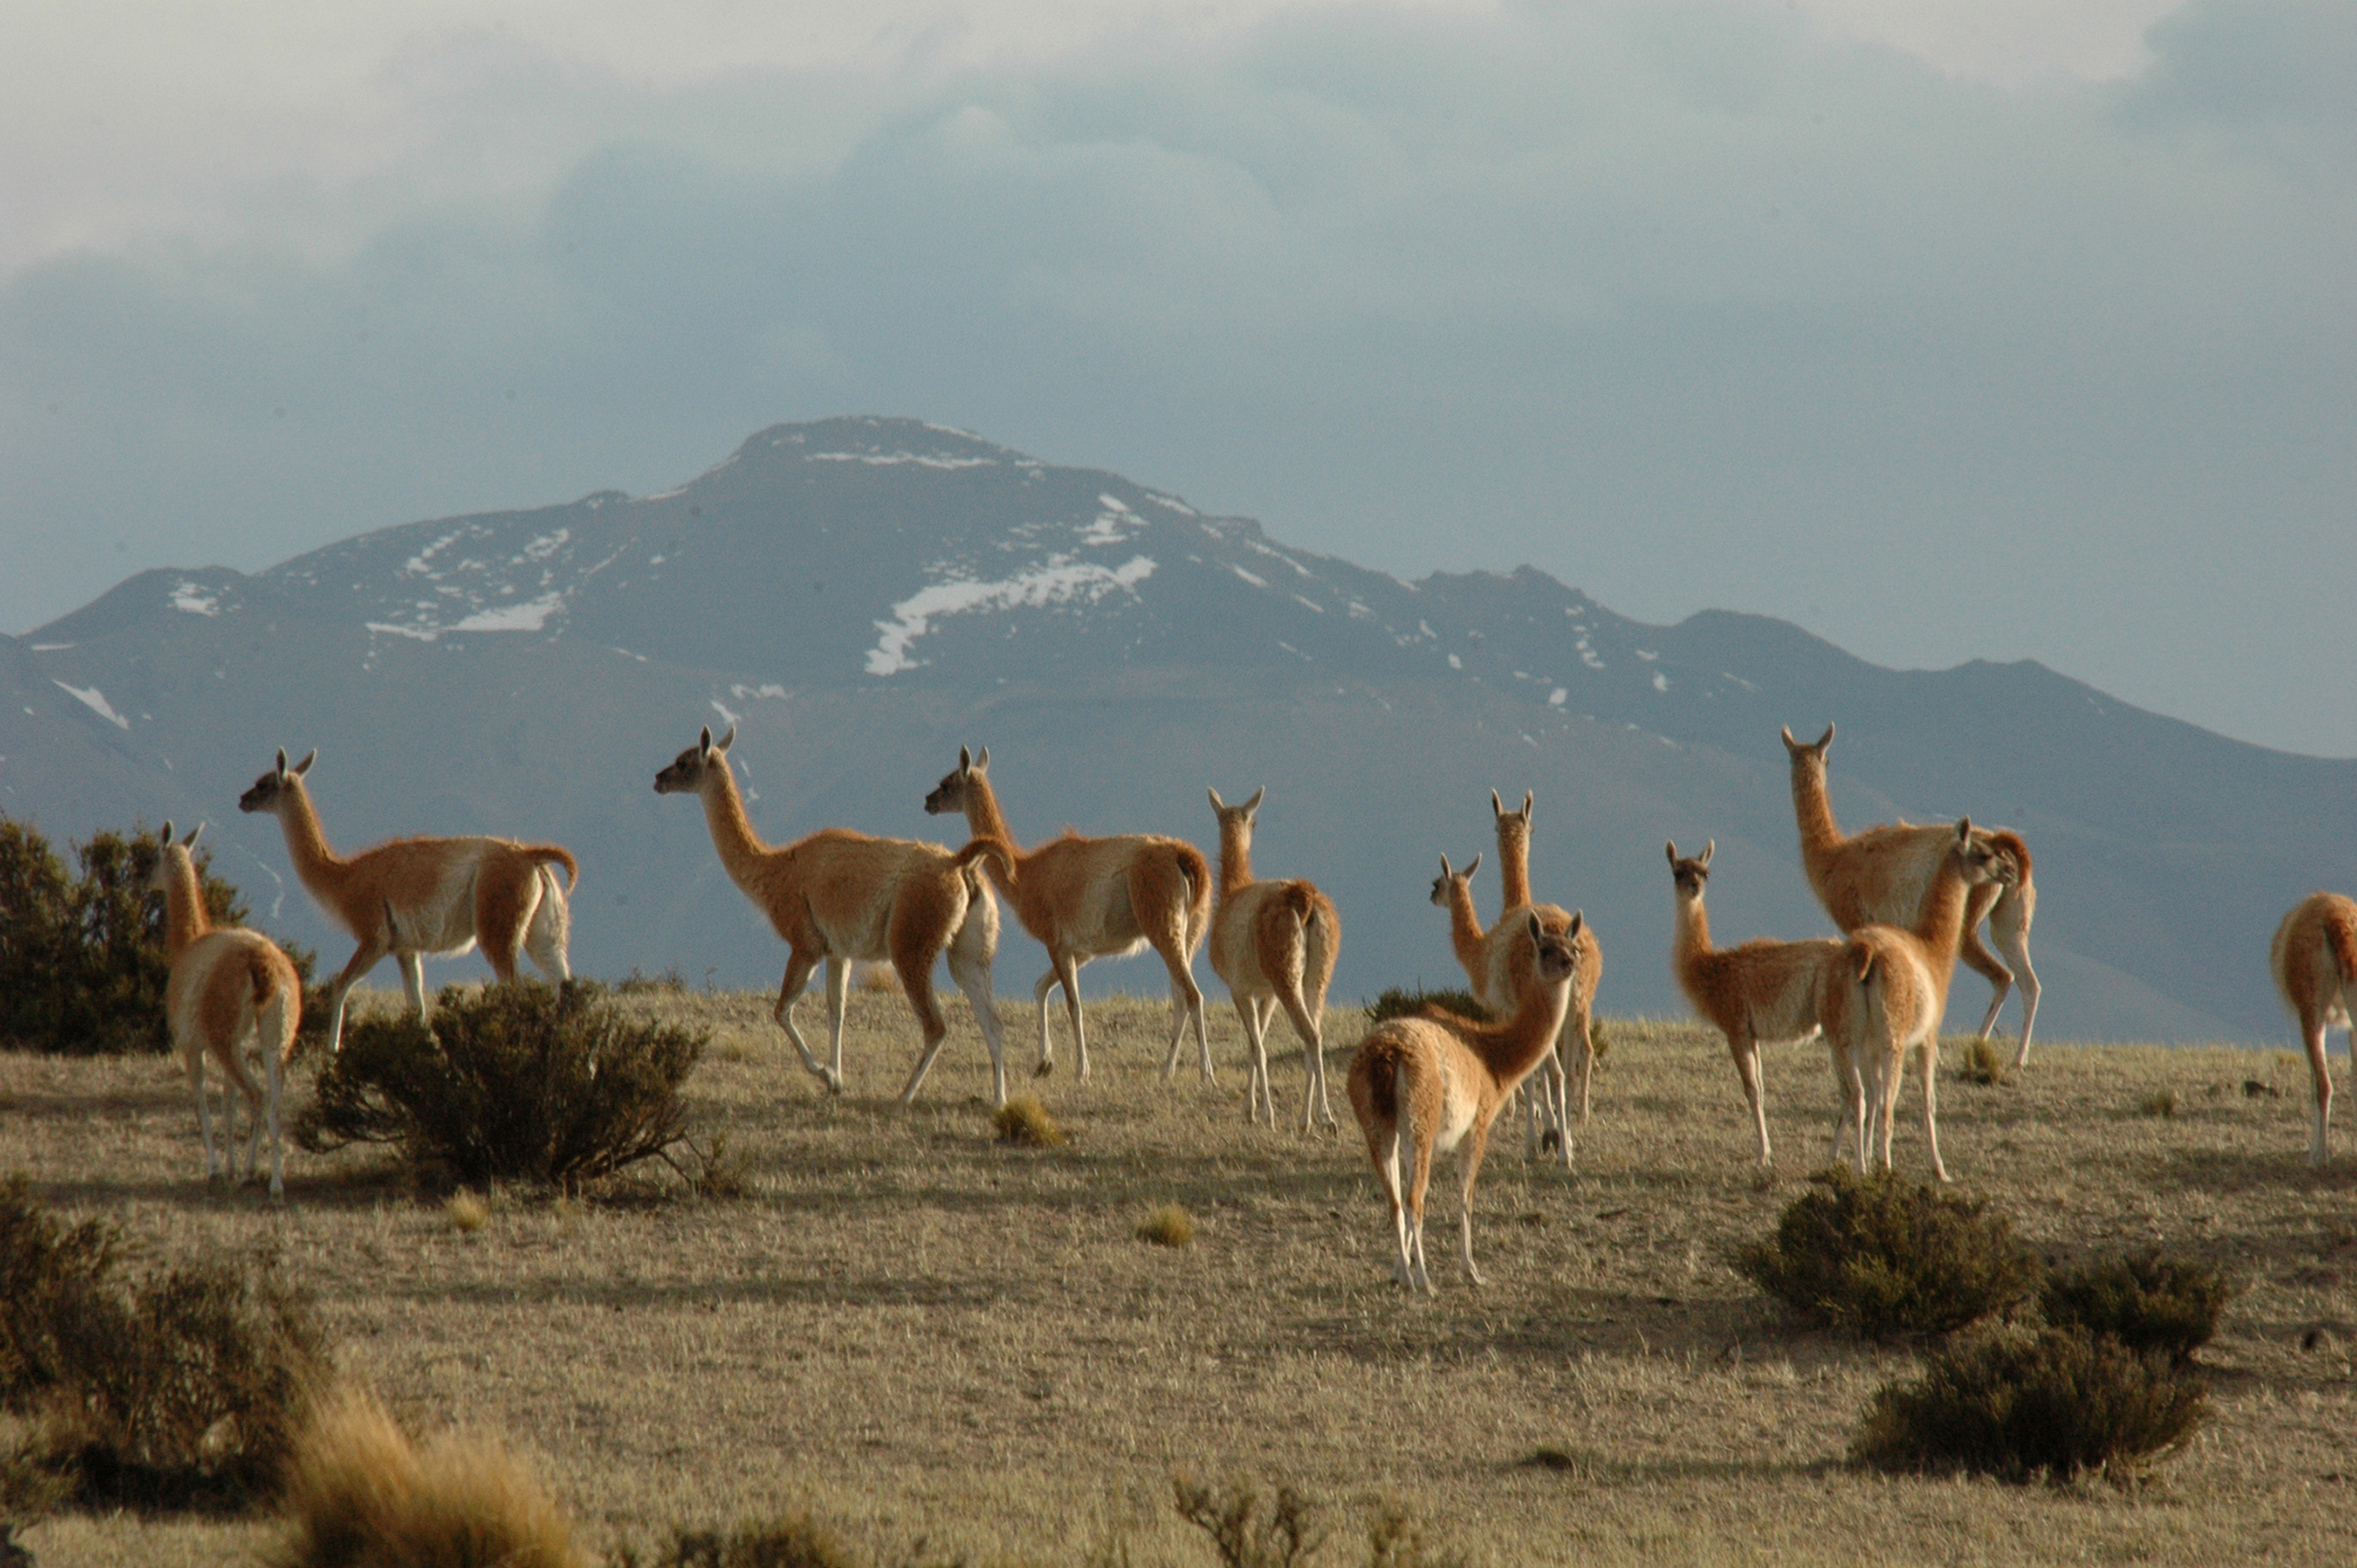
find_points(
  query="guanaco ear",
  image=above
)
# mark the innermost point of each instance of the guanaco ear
(1578, 920)
(1671, 849)
(1496, 807)
(1538, 933)
(703, 741)
(1217, 804)
(165, 837)
(189, 841)
(1253, 804)
(1963, 831)
(305, 766)
(720, 747)
(1527, 800)
(965, 760)
(1469, 871)
(982, 760)
(280, 768)
(1708, 850)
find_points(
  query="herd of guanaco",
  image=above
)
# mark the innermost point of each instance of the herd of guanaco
(1908, 900)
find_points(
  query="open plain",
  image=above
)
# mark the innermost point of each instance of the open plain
(946, 1346)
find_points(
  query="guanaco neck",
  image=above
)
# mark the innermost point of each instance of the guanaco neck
(1940, 923)
(984, 822)
(184, 902)
(1692, 943)
(1464, 924)
(1511, 1049)
(1235, 856)
(1513, 862)
(315, 862)
(1813, 808)
(741, 849)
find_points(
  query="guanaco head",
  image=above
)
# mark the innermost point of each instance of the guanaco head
(1513, 827)
(691, 768)
(274, 789)
(1984, 859)
(157, 867)
(1691, 875)
(1240, 817)
(1443, 884)
(1808, 760)
(1558, 951)
(949, 795)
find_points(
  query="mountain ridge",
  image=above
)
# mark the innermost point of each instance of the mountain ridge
(863, 595)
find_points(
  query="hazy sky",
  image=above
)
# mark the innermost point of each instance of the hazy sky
(1949, 329)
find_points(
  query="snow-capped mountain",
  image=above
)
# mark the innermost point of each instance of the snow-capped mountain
(862, 596)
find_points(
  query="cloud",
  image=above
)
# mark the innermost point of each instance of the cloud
(1690, 304)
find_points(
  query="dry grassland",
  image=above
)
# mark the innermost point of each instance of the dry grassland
(919, 1332)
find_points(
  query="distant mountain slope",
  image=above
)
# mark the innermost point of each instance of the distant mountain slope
(862, 596)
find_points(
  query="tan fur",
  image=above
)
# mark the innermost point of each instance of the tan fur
(1424, 1085)
(414, 897)
(1883, 874)
(1274, 945)
(1095, 897)
(229, 989)
(837, 896)
(1573, 1059)
(1761, 993)
(1900, 993)
(2314, 960)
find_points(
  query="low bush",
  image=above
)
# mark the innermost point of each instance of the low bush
(1246, 1534)
(181, 1391)
(1023, 1121)
(2147, 1302)
(796, 1541)
(1882, 1255)
(82, 965)
(517, 1082)
(2022, 1406)
(1400, 1002)
(360, 1495)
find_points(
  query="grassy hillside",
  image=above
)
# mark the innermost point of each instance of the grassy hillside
(916, 1332)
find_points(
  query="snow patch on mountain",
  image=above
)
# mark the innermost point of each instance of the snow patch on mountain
(1061, 581)
(531, 616)
(191, 599)
(892, 459)
(95, 701)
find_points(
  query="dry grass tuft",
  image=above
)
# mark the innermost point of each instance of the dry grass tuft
(466, 1212)
(359, 1495)
(1984, 1063)
(1025, 1121)
(1167, 1226)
